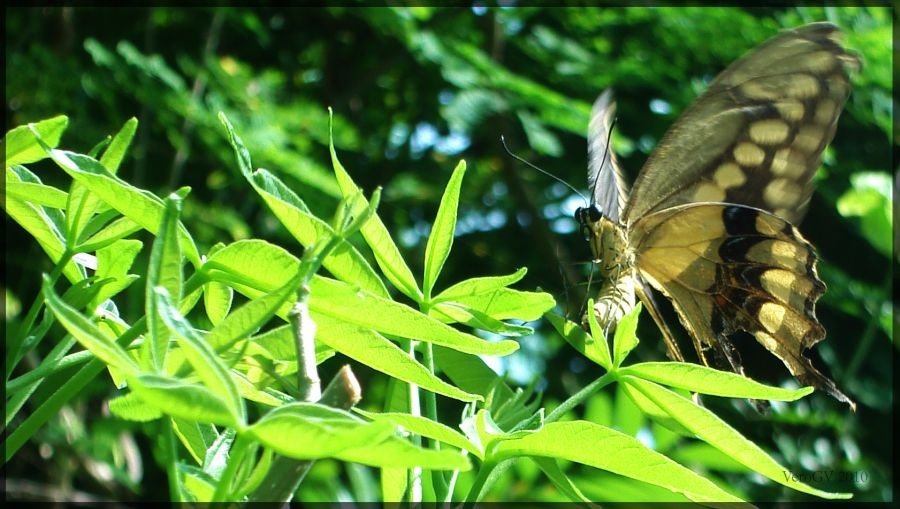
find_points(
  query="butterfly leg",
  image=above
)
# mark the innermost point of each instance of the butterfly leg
(644, 293)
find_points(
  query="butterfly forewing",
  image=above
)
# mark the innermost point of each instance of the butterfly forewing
(756, 136)
(605, 177)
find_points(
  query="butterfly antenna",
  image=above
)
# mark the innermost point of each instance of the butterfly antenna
(612, 125)
(530, 165)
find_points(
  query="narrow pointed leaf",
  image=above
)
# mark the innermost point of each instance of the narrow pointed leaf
(697, 378)
(345, 261)
(441, 238)
(311, 431)
(427, 428)
(82, 203)
(37, 194)
(201, 355)
(625, 338)
(716, 432)
(479, 286)
(21, 147)
(373, 350)
(387, 255)
(87, 333)
(164, 271)
(601, 447)
(247, 319)
(339, 300)
(142, 207)
(43, 224)
(562, 482)
(590, 346)
(182, 400)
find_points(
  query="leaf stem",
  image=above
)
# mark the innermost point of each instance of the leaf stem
(579, 397)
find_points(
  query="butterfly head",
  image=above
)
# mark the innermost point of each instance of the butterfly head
(586, 216)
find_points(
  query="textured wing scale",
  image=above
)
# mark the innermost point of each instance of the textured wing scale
(742, 269)
(756, 136)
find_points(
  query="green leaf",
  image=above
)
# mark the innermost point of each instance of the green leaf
(471, 374)
(591, 347)
(113, 261)
(441, 238)
(625, 338)
(562, 482)
(82, 204)
(506, 303)
(132, 408)
(273, 265)
(86, 332)
(248, 318)
(43, 224)
(387, 255)
(118, 229)
(201, 355)
(312, 431)
(345, 261)
(479, 286)
(601, 447)
(342, 301)
(140, 206)
(703, 454)
(704, 380)
(182, 400)
(376, 352)
(393, 484)
(427, 428)
(645, 408)
(164, 271)
(279, 344)
(217, 300)
(451, 312)
(21, 147)
(716, 432)
(37, 194)
(869, 199)
(396, 452)
(196, 437)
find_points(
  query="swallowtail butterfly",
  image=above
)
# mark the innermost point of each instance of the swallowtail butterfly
(710, 220)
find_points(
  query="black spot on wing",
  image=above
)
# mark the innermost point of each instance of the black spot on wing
(739, 220)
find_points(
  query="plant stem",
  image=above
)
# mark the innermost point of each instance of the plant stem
(439, 483)
(14, 352)
(171, 456)
(286, 474)
(309, 386)
(579, 397)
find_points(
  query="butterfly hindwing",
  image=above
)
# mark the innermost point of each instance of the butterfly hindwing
(756, 136)
(745, 269)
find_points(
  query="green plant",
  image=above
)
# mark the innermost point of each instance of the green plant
(235, 390)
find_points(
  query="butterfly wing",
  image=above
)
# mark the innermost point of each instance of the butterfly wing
(741, 269)
(756, 136)
(709, 217)
(609, 189)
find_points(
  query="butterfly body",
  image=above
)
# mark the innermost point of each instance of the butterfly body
(710, 220)
(616, 265)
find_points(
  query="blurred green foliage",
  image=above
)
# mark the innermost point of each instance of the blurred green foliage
(414, 90)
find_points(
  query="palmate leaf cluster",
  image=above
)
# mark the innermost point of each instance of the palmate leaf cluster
(452, 83)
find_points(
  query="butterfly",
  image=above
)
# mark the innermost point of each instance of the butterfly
(710, 220)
